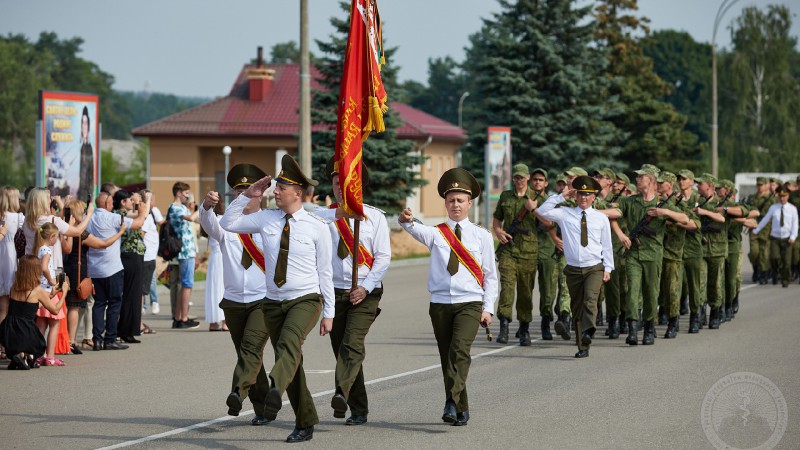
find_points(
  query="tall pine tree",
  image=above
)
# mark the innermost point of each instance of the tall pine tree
(531, 67)
(386, 157)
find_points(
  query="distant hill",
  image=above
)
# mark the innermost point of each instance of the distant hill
(146, 107)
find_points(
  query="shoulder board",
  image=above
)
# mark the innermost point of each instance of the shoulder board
(482, 228)
(314, 216)
(376, 209)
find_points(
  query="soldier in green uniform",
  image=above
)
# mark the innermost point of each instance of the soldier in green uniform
(694, 266)
(715, 245)
(672, 268)
(563, 308)
(515, 227)
(644, 250)
(606, 178)
(759, 244)
(546, 264)
(616, 288)
(735, 217)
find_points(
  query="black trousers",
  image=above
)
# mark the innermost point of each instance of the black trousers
(130, 315)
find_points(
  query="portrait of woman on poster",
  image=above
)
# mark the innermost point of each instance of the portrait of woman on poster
(86, 169)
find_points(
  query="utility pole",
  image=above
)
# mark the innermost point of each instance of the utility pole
(305, 93)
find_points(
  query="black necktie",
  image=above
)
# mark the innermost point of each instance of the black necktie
(584, 230)
(342, 250)
(452, 265)
(246, 259)
(781, 216)
(283, 255)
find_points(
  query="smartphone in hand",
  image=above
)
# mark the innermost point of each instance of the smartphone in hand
(67, 214)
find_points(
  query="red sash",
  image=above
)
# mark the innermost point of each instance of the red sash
(346, 234)
(462, 253)
(252, 249)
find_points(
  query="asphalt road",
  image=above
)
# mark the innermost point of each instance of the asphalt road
(169, 391)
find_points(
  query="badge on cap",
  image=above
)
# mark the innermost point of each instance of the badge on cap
(583, 187)
(455, 185)
(243, 180)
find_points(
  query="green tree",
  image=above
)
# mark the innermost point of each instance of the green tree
(145, 108)
(760, 94)
(531, 67)
(446, 83)
(654, 130)
(386, 157)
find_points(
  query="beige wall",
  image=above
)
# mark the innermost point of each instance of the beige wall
(439, 157)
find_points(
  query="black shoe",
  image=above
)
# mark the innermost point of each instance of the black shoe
(502, 336)
(586, 338)
(600, 320)
(20, 363)
(461, 419)
(562, 326)
(449, 414)
(613, 330)
(97, 346)
(114, 346)
(339, 405)
(672, 328)
(356, 420)
(633, 333)
(785, 284)
(546, 334)
(524, 334)
(75, 350)
(703, 317)
(272, 404)
(582, 353)
(131, 340)
(258, 420)
(649, 333)
(714, 319)
(301, 434)
(662, 316)
(694, 323)
(175, 323)
(623, 324)
(735, 305)
(187, 325)
(234, 402)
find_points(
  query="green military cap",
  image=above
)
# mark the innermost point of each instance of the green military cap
(575, 172)
(632, 188)
(666, 177)
(648, 169)
(762, 180)
(458, 179)
(728, 184)
(708, 178)
(623, 177)
(539, 170)
(520, 170)
(585, 183)
(331, 170)
(561, 179)
(776, 180)
(291, 173)
(605, 172)
(686, 173)
(243, 175)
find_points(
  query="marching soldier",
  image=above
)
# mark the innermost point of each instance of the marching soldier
(759, 244)
(672, 267)
(546, 265)
(735, 218)
(462, 282)
(245, 285)
(784, 220)
(517, 254)
(606, 178)
(298, 273)
(715, 245)
(615, 289)
(563, 324)
(355, 309)
(694, 266)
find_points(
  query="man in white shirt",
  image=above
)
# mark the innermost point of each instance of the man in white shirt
(586, 234)
(245, 284)
(357, 308)
(297, 254)
(783, 217)
(462, 281)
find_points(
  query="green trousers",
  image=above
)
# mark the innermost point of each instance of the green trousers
(455, 326)
(516, 279)
(644, 281)
(249, 336)
(350, 328)
(288, 323)
(671, 284)
(733, 269)
(715, 266)
(563, 300)
(548, 282)
(585, 284)
(695, 271)
(615, 292)
(759, 249)
(781, 257)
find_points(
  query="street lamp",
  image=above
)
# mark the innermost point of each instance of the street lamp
(723, 8)
(460, 106)
(227, 152)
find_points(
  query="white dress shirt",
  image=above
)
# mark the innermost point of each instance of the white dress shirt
(461, 287)
(374, 236)
(598, 227)
(241, 285)
(309, 267)
(790, 221)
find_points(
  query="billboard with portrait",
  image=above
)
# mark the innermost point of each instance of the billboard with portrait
(68, 161)
(499, 157)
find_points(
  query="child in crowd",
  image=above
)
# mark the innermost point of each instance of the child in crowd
(18, 332)
(46, 238)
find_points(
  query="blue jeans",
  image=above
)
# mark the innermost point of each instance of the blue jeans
(187, 272)
(107, 304)
(153, 291)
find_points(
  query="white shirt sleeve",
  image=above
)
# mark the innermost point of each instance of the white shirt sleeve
(420, 232)
(210, 223)
(382, 253)
(608, 250)
(325, 272)
(549, 211)
(236, 222)
(489, 267)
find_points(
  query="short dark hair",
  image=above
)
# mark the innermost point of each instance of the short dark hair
(107, 187)
(179, 186)
(119, 196)
(88, 120)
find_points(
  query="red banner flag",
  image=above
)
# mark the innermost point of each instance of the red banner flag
(362, 99)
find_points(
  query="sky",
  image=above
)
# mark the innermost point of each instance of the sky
(197, 47)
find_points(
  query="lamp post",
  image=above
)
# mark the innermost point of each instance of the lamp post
(227, 152)
(723, 8)
(460, 106)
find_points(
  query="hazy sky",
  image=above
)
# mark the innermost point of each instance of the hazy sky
(197, 47)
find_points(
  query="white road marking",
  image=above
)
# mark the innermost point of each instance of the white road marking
(318, 394)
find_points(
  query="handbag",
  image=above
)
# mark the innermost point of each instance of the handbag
(85, 286)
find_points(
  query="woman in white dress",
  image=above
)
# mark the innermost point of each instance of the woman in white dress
(214, 284)
(10, 221)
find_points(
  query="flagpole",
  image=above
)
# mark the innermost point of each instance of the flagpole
(356, 253)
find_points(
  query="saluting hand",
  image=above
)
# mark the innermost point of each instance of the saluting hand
(258, 188)
(325, 326)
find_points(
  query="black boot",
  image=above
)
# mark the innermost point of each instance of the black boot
(649, 337)
(613, 329)
(672, 328)
(502, 336)
(524, 334)
(662, 316)
(694, 323)
(735, 309)
(623, 324)
(633, 333)
(756, 275)
(546, 334)
(703, 317)
(600, 320)
(562, 326)
(684, 306)
(678, 324)
(728, 313)
(714, 319)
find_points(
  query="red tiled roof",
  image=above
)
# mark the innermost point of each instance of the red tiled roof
(277, 115)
